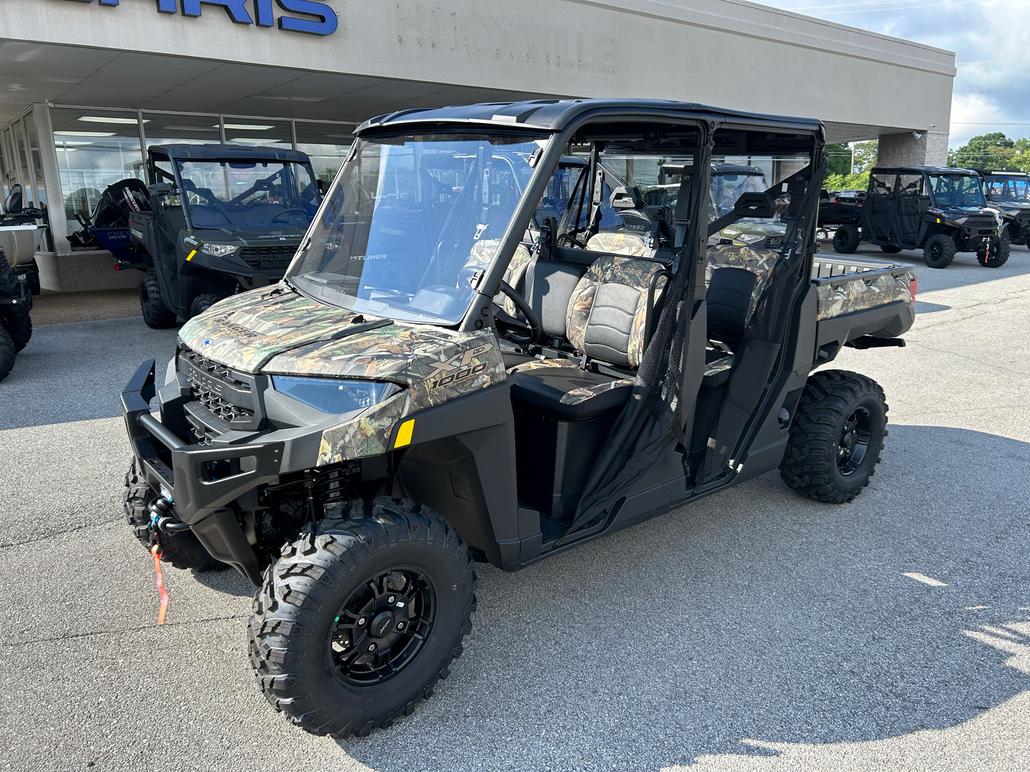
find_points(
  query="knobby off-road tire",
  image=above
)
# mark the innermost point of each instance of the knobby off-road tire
(202, 303)
(998, 256)
(939, 251)
(182, 550)
(324, 624)
(155, 314)
(21, 330)
(7, 351)
(836, 437)
(845, 240)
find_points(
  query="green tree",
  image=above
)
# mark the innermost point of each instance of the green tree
(986, 151)
(865, 155)
(839, 159)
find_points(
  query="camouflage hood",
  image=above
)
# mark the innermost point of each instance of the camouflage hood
(245, 331)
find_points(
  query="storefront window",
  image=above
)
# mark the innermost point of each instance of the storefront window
(95, 148)
(170, 129)
(257, 132)
(327, 144)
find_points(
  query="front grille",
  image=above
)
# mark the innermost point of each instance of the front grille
(205, 378)
(982, 222)
(221, 372)
(201, 433)
(268, 257)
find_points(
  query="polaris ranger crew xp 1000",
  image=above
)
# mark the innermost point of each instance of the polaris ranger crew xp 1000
(941, 211)
(434, 383)
(221, 219)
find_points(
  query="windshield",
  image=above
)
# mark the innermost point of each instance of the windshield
(411, 220)
(248, 194)
(1014, 189)
(957, 190)
(727, 188)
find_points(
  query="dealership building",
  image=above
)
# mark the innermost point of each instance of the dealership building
(87, 85)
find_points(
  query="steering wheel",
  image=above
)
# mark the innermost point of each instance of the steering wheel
(277, 215)
(514, 330)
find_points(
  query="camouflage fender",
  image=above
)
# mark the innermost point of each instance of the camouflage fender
(435, 365)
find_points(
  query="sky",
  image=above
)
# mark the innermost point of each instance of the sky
(991, 41)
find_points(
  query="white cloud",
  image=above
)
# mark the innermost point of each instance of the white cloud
(973, 114)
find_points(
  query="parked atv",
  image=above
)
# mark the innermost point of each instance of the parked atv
(20, 235)
(221, 219)
(354, 438)
(1009, 193)
(941, 211)
(15, 323)
(108, 225)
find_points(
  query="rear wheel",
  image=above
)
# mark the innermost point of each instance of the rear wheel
(845, 240)
(182, 550)
(889, 249)
(360, 617)
(998, 255)
(7, 351)
(155, 314)
(939, 251)
(836, 436)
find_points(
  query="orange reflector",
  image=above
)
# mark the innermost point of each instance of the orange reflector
(156, 551)
(190, 255)
(404, 434)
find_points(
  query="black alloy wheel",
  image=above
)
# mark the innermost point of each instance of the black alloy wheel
(854, 442)
(939, 250)
(383, 626)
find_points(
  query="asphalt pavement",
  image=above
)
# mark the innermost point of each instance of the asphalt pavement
(753, 630)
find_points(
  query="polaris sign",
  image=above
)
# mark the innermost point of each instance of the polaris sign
(306, 16)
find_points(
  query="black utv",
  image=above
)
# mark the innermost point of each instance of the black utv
(221, 219)
(1009, 193)
(435, 382)
(941, 211)
(15, 323)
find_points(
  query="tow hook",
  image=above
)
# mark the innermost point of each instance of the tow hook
(161, 519)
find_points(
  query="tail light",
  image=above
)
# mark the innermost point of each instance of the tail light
(913, 287)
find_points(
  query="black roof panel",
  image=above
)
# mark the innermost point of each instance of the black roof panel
(556, 114)
(231, 153)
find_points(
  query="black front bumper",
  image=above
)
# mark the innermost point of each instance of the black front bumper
(199, 480)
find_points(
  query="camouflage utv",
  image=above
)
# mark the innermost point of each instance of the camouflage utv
(436, 382)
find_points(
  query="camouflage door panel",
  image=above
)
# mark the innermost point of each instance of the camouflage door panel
(613, 269)
(858, 294)
(619, 243)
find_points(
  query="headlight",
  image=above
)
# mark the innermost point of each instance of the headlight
(218, 250)
(334, 396)
(748, 238)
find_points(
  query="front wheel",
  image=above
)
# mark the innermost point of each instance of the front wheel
(998, 254)
(845, 240)
(21, 330)
(155, 314)
(939, 251)
(7, 352)
(836, 436)
(360, 617)
(202, 303)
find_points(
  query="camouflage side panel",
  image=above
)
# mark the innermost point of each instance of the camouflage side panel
(619, 243)
(719, 365)
(246, 330)
(607, 269)
(539, 364)
(577, 396)
(859, 294)
(483, 253)
(435, 365)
